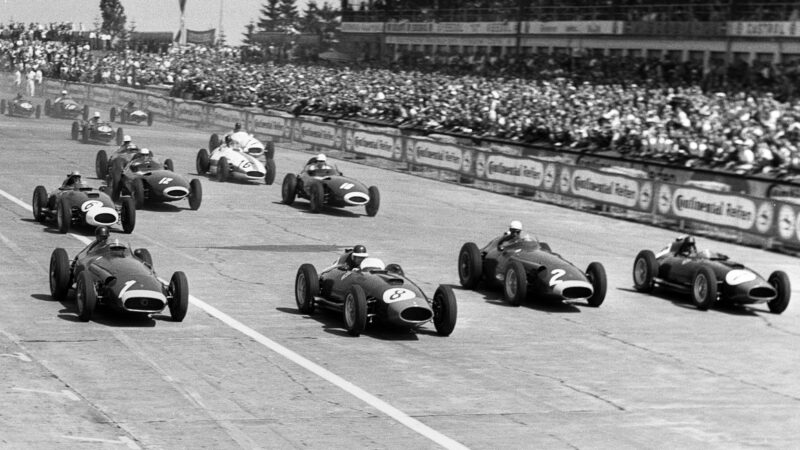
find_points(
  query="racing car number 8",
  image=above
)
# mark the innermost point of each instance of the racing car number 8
(557, 274)
(396, 295)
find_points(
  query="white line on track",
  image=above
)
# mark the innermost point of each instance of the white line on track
(401, 417)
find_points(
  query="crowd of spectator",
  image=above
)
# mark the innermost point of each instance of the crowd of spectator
(737, 117)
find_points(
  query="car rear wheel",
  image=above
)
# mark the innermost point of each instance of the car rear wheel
(195, 194)
(645, 269)
(76, 129)
(470, 265)
(515, 286)
(202, 162)
(223, 169)
(306, 287)
(137, 191)
(149, 119)
(85, 297)
(445, 310)
(59, 274)
(317, 197)
(63, 215)
(120, 136)
(289, 188)
(128, 215)
(179, 296)
(269, 167)
(85, 131)
(355, 311)
(85, 112)
(169, 165)
(39, 203)
(780, 281)
(101, 164)
(374, 203)
(596, 274)
(213, 142)
(704, 288)
(3, 107)
(38, 111)
(48, 107)
(117, 166)
(113, 114)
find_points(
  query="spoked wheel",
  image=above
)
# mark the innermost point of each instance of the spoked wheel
(355, 311)
(59, 274)
(85, 297)
(470, 265)
(515, 286)
(704, 288)
(306, 287)
(179, 292)
(445, 310)
(645, 268)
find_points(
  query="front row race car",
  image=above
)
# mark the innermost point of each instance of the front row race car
(65, 108)
(76, 203)
(368, 291)
(323, 184)
(109, 273)
(228, 161)
(708, 277)
(524, 266)
(20, 107)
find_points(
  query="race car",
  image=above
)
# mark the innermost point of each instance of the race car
(130, 114)
(97, 131)
(20, 107)
(79, 204)
(245, 142)
(372, 293)
(103, 160)
(524, 266)
(323, 185)
(231, 162)
(709, 277)
(109, 273)
(147, 180)
(66, 109)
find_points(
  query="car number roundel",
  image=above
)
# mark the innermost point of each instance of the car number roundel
(397, 294)
(89, 204)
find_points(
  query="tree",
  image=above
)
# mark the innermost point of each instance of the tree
(248, 36)
(330, 19)
(271, 16)
(114, 18)
(289, 17)
(310, 22)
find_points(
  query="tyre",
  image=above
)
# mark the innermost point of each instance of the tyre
(85, 132)
(117, 166)
(395, 268)
(85, 112)
(355, 311)
(269, 150)
(269, 167)
(704, 288)
(289, 188)
(470, 265)
(645, 269)
(3, 107)
(38, 112)
(317, 197)
(780, 281)
(112, 115)
(39, 203)
(85, 297)
(48, 107)
(195, 194)
(144, 256)
(128, 215)
(76, 130)
(137, 192)
(179, 296)
(101, 164)
(202, 162)
(149, 119)
(223, 169)
(63, 215)
(596, 274)
(445, 310)
(120, 136)
(374, 203)
(169, 165)
(59, 274)
(515, 286)
(306, 287)
(213, 142)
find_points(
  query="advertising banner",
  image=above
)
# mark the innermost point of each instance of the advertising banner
(189, 111)
(475, 27)
(787, 222)
(610, 188)
(361, 27)
(102, 95)
(158, 105)
(452, 40)
(409, 27)
(439, 156)
(676, 29)
(269, 125)
(315, 133)
(729, 210)
(574, 27)
(525, 172)
(372, 144)
(128, 95)
(763, 29)
(225, 118)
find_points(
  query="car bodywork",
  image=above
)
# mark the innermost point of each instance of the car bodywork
(71, 206)
(245, 142)
(328, 187)
(66, 109)
(151, 181)
(118, 277)
(87, 131)
(525, 266)
(131, 115)
(20, 108)
(708, 277)
(374, 292)
(231, 163)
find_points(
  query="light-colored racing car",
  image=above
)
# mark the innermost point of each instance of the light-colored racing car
(229, 161)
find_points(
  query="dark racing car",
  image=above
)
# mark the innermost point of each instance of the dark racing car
(525, 267)
(145, 179)
(130, 114)
(370, 292)
(109, 273)
(65, 109)
(76, 203)
(708, 277)
(96, 131)
(324, 185)
(20, 107)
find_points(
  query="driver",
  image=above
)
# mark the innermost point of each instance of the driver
(73, 181)
(127, 145)
(512, 235)
(687, 246)
(352, 258)
(141, 156)
(19, 96)
(100, 237)
(96, 118)
(237, 127)
(319, 162)
(64, 96)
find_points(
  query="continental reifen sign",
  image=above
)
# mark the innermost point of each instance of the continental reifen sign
(715, 208)
(613, 189)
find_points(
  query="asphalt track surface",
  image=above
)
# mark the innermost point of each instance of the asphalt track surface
(246, 370)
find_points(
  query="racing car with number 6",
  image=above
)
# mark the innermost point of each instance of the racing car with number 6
(709, 277)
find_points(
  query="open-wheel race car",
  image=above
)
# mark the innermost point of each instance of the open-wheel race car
(65, 109)
(95, 131)
(145, 179)
(228, 161)
(245, 142)
(324, 185)
(130, 114)
(371, 292)
(76, 203)
(20, 107)
(525, 267)
(109, 273)
(709, 277)
(103, 161)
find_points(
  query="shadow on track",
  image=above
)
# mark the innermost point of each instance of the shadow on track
(684, 301)
(305, 207)
(333, 323)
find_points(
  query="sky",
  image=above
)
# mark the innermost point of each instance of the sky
(150, 15)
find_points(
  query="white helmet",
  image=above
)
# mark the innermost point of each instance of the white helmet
(144, 151)
(63, 92)
(126, 138)
(515, 225)
(97, 114)
(321, 157)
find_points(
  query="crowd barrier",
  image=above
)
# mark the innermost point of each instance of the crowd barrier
(769, 210)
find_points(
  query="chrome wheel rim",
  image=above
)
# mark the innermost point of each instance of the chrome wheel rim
(80, 298)
(349, 311)
(700, 288)
(300, 289)
(463, 266)
(511, 284)
(639, 272)
(59, 219)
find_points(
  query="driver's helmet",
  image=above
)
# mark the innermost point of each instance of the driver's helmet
(101, 234)
(73, 179)
(684, 245)
(63, 92)
(228, 140)
(237, 127)
(321, 158)
(358, 255)
(126, 139)
(97, 115)
(515, 227)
